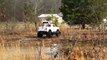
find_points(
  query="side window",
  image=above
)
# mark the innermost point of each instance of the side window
(53, 25)
(49, 25)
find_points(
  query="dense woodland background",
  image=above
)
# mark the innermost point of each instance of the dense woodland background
(20, 15)
(26, 10)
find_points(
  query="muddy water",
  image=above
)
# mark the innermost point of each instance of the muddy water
(32, 49)
(35, 52)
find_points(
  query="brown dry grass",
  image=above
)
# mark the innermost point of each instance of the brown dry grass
(26, 50)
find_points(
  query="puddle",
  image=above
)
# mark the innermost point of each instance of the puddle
(55, 50)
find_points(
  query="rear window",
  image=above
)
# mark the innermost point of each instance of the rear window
(45, 22)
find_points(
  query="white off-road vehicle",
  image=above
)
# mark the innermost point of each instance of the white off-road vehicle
(48, 30)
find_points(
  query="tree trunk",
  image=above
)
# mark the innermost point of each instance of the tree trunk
(36, 26)
(83, 26)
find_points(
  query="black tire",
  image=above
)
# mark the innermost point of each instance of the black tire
(58, 33)
(39, 34)
(49, 34)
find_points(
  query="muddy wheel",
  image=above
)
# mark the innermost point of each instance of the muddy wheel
(49, 34)
(39, 34)
(58, 33)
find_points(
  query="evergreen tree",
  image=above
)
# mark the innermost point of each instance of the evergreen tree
(83, 12)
